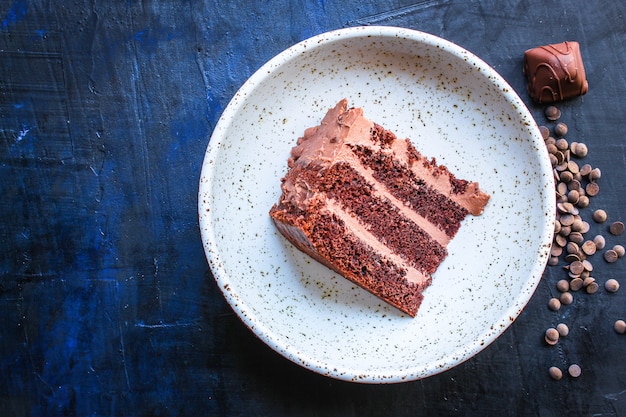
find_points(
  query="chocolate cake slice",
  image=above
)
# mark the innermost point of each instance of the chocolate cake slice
(371, 207)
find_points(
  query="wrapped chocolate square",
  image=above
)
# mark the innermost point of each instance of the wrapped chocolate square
(555, 72)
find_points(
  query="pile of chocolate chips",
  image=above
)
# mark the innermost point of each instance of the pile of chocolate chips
(575, 185)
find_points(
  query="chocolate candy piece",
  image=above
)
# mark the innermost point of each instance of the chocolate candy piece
(555, 72)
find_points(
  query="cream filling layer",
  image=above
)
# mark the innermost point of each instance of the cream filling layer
(360, 231)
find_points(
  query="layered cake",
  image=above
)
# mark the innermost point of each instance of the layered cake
(371, 207)
(555, 72)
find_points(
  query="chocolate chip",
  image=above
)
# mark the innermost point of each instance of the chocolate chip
(556, 250)
(562, 285)
(595, 174)
(552, 335)
(580, 150)
(585, 227)
(587, 281)
(555, 373)
(566, 219)
(576, 237)
(572, 167)
(610, 256)
(554, 304)
(592, 189)
(611, 285)
(572, 247)
(573, 196)
(552, 113)
(565, 230)
(600, 242)
(574, 370)
(585, 170)
(583, 201)
(567, 208)
(566, 298)
(592, 287)
(560, 129)
(589, 248)
(562, 144)
(575, 185)
(576, 284)
(599, 216)
(578, 226)
(576, 268)
(566, 176)
(617, 228)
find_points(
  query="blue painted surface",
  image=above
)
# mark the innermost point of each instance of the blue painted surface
(107, 305)
(16, 13)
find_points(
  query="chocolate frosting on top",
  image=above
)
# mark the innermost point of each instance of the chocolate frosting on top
(555, 72)
(333, 140)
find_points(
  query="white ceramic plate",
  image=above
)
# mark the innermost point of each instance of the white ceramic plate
(454, 107)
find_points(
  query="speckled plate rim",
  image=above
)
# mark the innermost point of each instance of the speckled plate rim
(283, 347)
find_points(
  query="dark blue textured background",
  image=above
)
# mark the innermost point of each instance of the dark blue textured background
(107, 305)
